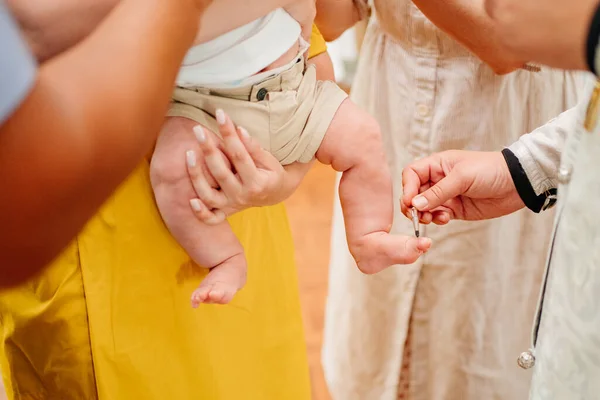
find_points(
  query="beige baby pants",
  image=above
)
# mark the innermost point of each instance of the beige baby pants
(288, 113)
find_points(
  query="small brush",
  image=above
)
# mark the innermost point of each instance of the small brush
(415, 220)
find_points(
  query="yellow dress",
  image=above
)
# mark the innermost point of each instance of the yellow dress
(317, 43)
(111, 317)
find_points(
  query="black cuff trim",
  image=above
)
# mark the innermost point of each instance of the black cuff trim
(532, 201)
(592, 41)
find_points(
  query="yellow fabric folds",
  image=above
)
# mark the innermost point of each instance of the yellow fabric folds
(317, 43)
(111, 318)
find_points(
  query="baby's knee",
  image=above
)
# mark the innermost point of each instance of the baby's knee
(167, 168)
(353, 137)
(168, 163)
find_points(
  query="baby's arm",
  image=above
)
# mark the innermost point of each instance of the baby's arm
(319, 57)
(303, 11)
(334, 17)
(208, 246)
(55, 25)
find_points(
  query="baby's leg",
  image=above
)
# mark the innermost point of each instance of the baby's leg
(353, 146)
(214, 247)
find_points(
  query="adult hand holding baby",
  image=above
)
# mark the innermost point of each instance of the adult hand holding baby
(237, 173)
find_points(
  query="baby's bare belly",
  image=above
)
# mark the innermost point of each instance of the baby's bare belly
(284, 59)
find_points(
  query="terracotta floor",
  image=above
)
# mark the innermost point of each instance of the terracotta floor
(309, 211)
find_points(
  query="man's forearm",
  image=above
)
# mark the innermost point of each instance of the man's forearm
(468, 23)
(91, 117)
(551, 32)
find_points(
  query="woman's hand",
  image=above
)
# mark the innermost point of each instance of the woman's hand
(247, 176)
(466, 185)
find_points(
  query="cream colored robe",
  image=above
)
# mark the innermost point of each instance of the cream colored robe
(566, 331)
(470, 301)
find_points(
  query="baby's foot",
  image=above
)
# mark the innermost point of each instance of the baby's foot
(222, 282)
(213, 293)
(378, 250)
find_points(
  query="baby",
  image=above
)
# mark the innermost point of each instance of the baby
(258, 75)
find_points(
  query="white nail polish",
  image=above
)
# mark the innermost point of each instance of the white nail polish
(244, 133)
(220, 115)
(195, 204)
(199, 133)
(190, 158)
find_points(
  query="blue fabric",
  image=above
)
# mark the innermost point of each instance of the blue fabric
(17, 66)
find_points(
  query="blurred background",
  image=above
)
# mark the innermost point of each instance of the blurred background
(310, 210)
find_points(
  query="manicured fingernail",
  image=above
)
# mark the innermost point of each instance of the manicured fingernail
(419, 202)
(190, 158)
(199, 133)
(220, 114)
(196, 205)
(244, 133)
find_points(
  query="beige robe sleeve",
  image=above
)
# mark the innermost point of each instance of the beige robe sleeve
(539, 152)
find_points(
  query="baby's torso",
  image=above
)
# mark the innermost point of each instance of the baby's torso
(241, 56)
